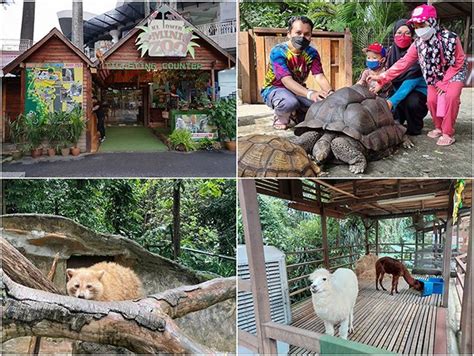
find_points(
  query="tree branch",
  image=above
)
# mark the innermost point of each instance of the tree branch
(141, 326)
(21, 270)
(184, 300)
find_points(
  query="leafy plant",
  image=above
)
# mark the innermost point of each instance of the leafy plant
(206, 144)
(182, 139)
(18, 130)
(35, 126)
(223, 116)
(76, 125)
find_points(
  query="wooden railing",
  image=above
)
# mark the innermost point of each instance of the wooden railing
(460, 274)
(342, 256)
(299, 272)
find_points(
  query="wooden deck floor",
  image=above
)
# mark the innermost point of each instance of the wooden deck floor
(404, 323)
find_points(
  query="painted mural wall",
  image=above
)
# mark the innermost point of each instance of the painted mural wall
(53, 87)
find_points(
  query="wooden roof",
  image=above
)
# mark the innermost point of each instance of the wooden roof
(371, 198)
(53, 33)
(165, 8)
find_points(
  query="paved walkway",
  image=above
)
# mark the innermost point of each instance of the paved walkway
(157, 164)
(426, 159)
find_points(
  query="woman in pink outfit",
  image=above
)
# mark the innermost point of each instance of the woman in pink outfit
(444, 67)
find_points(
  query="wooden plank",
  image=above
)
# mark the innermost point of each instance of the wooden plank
(324, 233)
(261, 63)
(440, 342)
(244, 66)
(247, 340)
(447, 247)
(256, 260)
(244, 285)
(466, 346)
(293, 336)
(348, 57)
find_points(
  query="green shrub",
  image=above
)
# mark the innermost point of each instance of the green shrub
(206, 144)
(181, 139)
(223, 116)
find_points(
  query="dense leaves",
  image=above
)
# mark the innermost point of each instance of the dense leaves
(141, 210)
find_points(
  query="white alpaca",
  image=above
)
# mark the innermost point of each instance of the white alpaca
(334, 296)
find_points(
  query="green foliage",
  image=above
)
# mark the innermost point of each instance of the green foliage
(76, 125)
(182, 138)
(142, 211)
(223, 116)
(34, 126)
(368, 21)
(206, 144)
(18, 130)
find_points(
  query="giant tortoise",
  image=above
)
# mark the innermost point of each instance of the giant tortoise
(354, 125)
(273, 156)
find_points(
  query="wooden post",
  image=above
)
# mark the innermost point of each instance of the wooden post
(324, 233)
(377, 237)
(447, 246)
(213, 85)
(467, 301)
(367, 227)
(256, 259)
(466, 34)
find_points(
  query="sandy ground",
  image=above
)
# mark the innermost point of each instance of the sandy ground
(426, 159)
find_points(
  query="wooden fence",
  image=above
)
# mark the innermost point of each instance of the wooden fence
(335, 49)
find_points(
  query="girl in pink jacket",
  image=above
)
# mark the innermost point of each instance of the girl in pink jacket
(444, 67)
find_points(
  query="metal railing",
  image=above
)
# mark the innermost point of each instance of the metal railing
(15, 45)
(218, 28)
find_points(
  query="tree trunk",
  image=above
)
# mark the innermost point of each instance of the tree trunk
(143, 326)
(77, 29)
(176, 218)
(22, 271)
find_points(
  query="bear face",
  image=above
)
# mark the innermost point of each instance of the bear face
(85, 283)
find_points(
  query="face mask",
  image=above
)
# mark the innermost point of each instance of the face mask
(425, 33)
(402, 41)
(372, 64)
(300, 43)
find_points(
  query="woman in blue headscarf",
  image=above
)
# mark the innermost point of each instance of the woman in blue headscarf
(408, 102)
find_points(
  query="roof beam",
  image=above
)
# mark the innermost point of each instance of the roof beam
(113, 18)
(432, 189)
(125, 15)
(330, 186)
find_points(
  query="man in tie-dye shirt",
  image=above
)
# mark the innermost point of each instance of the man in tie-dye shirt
(290, 64)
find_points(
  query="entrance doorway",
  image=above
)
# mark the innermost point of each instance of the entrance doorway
(125, 107)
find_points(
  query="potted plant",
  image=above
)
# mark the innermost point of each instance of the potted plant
(183, 104)
(34, 133)
(63, 126)
(181, 140)
(17, 134)
(223, 116)
(77, 126)
(203, 101)
(52, 133)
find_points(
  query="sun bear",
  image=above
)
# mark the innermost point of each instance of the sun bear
(104, 281)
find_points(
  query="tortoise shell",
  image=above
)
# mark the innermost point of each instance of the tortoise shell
(273, 156)
(358, 113)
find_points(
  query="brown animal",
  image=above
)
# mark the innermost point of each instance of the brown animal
(396, 269)
(104, 281)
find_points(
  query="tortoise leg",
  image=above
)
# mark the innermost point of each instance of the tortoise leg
(350, 151)
(322, 148)
(307, 140)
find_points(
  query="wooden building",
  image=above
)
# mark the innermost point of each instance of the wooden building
(137, 86)
(52, 66)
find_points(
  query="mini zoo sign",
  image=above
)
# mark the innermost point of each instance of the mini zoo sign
(166, 38)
